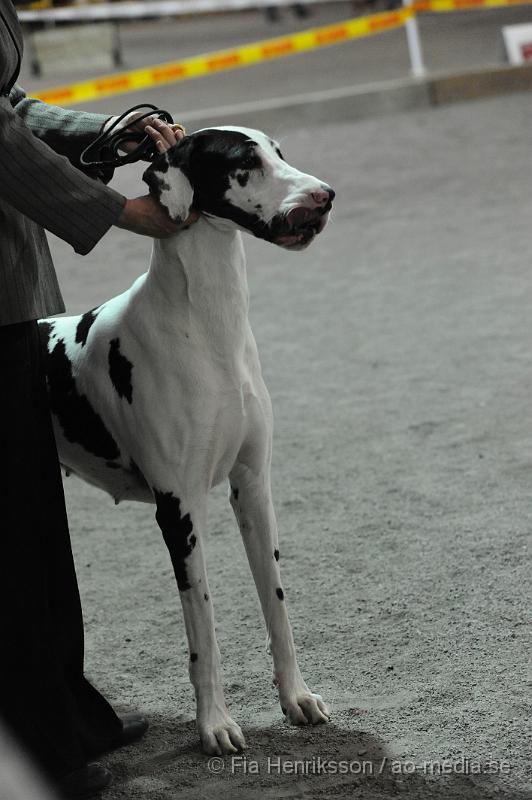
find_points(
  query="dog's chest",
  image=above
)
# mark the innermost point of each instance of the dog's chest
(239, 419)
(194, 409)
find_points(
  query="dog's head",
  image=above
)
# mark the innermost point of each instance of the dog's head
(239, 175)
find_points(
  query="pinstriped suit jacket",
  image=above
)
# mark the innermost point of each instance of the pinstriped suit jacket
(40, 187)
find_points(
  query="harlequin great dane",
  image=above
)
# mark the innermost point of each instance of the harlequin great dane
(157, 395)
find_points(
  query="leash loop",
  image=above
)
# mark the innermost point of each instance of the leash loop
(101, 155)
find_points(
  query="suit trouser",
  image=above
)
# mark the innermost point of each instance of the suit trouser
(44, 697)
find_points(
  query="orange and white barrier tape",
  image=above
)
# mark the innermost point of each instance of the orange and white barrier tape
(438, 6)
(256, 52)
(244, 56)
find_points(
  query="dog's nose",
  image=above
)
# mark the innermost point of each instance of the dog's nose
(323, 196)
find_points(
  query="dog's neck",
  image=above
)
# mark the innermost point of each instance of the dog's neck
(200, 277)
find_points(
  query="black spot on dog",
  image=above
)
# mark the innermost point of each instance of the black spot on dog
(243, 178)
(234, 490)
(78, 419)
(259, 206)
(276, 555)
(120, 371)
(280, 594)
(278, 152)
(206, 596)
(45, 332)
(177, 534)
(251, 222)
(152, 177)
(159, 187)
(193, 657)
(84, 326)
(162, 163)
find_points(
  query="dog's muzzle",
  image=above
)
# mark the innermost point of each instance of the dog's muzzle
(297, 228)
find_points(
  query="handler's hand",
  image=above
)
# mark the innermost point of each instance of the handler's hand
(165, 136)
(144, 215)
(159, 131)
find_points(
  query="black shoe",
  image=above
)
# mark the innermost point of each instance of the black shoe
(134, 726)
(85, 782)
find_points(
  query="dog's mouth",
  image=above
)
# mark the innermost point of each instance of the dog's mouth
(296, 229)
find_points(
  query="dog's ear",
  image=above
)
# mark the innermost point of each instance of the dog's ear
(169, 184)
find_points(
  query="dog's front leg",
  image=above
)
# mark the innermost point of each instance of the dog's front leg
(182, 524)
(252, 503)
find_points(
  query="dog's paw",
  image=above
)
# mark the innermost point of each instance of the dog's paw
(303, 707)
(220, 735)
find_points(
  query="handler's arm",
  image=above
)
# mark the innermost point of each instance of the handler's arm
(45, 187)
(66, 132)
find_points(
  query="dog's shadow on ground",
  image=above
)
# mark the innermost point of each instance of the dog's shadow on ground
(283, 761)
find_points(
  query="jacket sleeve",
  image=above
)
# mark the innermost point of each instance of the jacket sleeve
(66, 132)
(43, 185)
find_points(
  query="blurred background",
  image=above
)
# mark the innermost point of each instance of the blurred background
(59, 52)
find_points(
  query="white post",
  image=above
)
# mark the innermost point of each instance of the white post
(414, 44)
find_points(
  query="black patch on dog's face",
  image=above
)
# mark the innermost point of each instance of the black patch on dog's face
(280, 594)
(78, 419)
(84, 326)
(120, 371)
(210, 159)
(157, 184)
(276, 555)
(177, 534)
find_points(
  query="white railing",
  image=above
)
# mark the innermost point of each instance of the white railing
(158, 8)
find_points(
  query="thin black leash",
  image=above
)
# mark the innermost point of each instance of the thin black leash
(102, 153)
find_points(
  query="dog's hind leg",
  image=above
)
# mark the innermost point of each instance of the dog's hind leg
(182, 523)
(252, 503)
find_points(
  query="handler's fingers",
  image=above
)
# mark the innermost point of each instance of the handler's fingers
(129, 123)
(132, 121)
(162, 135)
(166, 131)
(179, 131)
